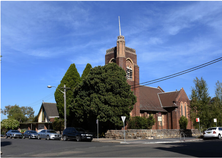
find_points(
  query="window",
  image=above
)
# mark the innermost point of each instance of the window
(185, 110)
(129, 73)
(181, 108)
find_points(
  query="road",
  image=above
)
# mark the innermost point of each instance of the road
(55, 148)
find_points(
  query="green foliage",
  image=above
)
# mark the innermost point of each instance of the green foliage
(86, 71)
(218, 91)
(216, 105)
(205, 108)
(22, 114)
(28, 112)
(200, 104)
(151, 122)
(183, 122)
(23, 130)
(58, 124)
(9, 124)
(70, 79)
(103, 95)
(141, 122)
(35, 119)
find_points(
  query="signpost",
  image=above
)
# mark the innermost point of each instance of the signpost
(160, 119)
(215, 120)
(123, 119)
(97, 122)
(198, 120)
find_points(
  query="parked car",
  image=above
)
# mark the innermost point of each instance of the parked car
(48, 134)
(213, 132)
(76, 133)
(13, 134)
(30, 134)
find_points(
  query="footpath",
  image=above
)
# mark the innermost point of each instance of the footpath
(147, 141)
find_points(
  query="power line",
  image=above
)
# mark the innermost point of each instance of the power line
(178, 73)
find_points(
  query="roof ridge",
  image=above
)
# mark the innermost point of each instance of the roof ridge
(48, 103)
(148, 87)
(160, 100)
(169, 92)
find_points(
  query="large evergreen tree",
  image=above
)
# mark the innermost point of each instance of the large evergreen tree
(104, 95)
(86, 71)
(216, 104)
(200, 104)
(70, 79)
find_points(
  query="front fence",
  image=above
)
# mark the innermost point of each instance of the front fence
(150, 133)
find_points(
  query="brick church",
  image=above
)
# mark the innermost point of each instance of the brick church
(166, 107)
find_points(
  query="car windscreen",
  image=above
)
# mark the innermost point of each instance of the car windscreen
(33, 132)
(51, 131)
(80, 130)
(209, 129)
(15, 131)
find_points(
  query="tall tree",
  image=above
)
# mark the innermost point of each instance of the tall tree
(200, 104)
(22, 114)
(104, 95)
(70, 79)
(216, 104)
(86, 71)
(218, 91)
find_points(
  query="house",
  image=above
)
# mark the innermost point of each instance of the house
(47, 113)
(166, 107)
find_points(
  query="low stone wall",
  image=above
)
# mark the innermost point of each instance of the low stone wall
(150, 134)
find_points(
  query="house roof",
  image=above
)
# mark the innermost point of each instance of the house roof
(50, 109)
(168, 99)
(149, 99)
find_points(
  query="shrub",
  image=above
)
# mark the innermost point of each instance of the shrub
(151, 121)
(141, 122)
(183, 122)
(58, 124)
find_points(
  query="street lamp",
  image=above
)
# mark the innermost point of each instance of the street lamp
(64, 92)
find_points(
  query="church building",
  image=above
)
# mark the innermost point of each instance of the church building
(166, 107)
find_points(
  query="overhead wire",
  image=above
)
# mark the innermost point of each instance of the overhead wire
(178, 73)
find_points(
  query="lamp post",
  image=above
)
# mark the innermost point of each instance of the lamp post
(64, 94)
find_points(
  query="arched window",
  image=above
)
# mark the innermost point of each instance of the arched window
(129, 73)
(112, 60)
(129, 69)
(185, 109)
(181, 108)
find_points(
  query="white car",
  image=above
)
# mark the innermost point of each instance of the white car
(213, 132)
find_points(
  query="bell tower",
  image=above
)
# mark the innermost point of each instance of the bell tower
(126, 58)
(121, 56)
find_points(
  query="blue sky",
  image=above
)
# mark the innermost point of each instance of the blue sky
(39, 41)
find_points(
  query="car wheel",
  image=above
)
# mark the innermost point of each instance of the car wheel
(47, 138)
(78, 138)
(219, 136)
(29, 137)
(64, 138)
(39, 138)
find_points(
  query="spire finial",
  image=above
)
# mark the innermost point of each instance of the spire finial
(119, 26)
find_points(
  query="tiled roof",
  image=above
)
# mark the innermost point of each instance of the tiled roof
(168, 98)
(50, 109)
(149, 100)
